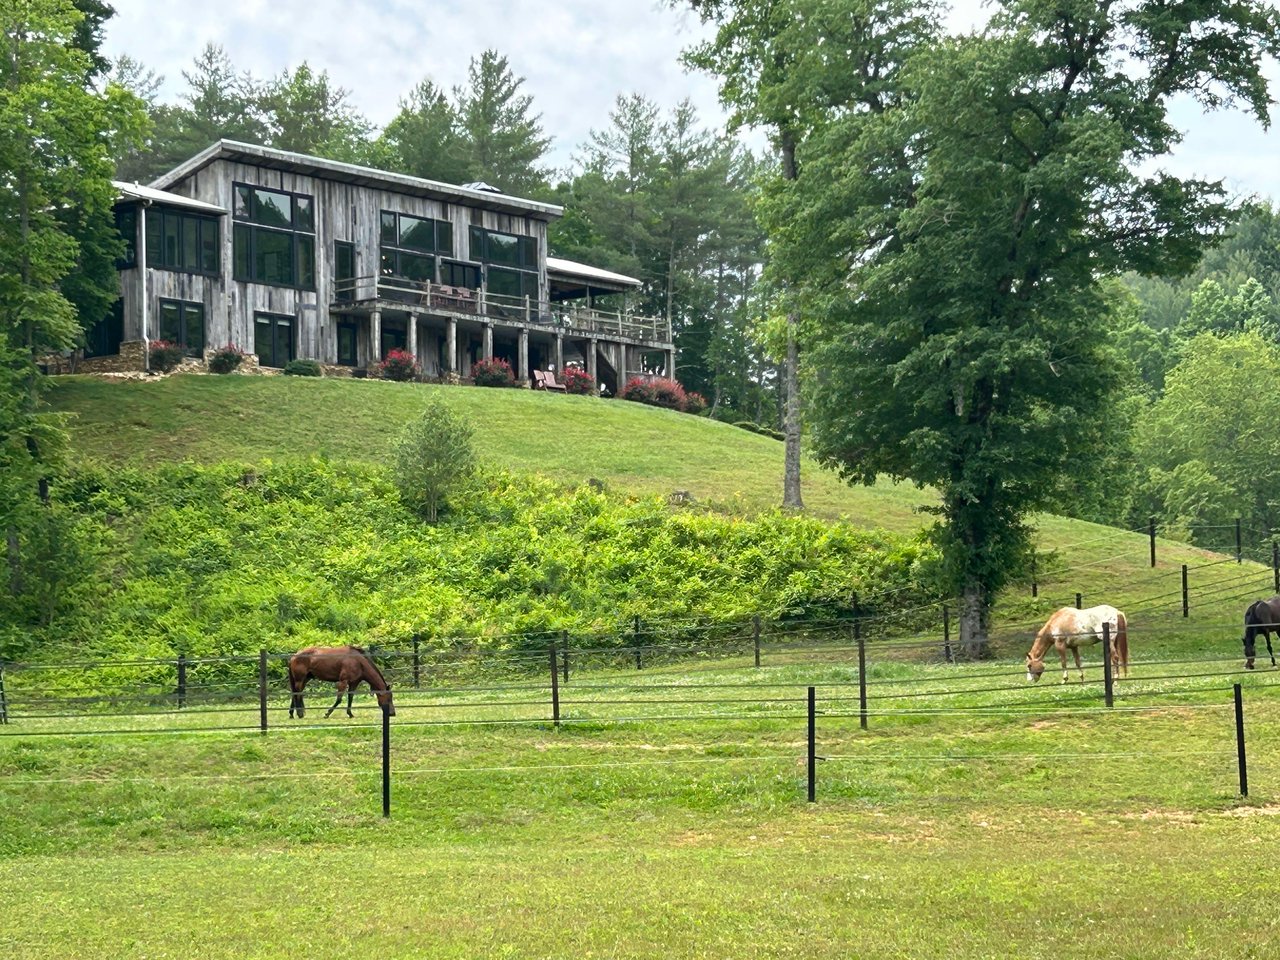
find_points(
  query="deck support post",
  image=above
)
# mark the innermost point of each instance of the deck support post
(375, 337)
(523, 373)
(592, 348)
(560, 354)
(488, 341)
(451, 347)
(671, 363)
(413, 336)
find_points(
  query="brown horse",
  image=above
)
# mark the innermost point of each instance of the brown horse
(347, 666)
(1071, 629)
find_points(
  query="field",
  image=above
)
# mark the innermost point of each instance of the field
(1019, 822)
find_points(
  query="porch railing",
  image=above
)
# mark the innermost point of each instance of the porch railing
(570, 318)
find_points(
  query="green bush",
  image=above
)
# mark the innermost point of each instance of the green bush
(303, 368)
(226, 359)
(760, 429)
(398, 365)
(494, 372)
(431, 456)
(165, 356)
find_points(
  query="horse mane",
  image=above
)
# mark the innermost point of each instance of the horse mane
(373, 666)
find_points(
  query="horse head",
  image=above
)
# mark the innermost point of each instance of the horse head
(1035, 667)
(385, 702)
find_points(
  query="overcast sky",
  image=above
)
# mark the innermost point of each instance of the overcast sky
(576, 56)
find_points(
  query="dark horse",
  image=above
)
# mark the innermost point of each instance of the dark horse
(347, 666)
(1262, 617)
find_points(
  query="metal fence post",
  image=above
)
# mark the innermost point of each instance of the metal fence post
(1275, 564)
(755, 629)
(417, 664)
(4, 700)
(1108, 679)
(639, 664)
(862, 675)
(1079, 600)
(813, 751)
(262, 688)
(946, 634)
(182, 681)
(1186, 607)
(564, 653)
(1240, 756)
(386, 762)
(555, 686)
(1151, 530)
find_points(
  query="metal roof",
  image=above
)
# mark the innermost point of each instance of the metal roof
(585, 272)
(351, 173)
(133, 191)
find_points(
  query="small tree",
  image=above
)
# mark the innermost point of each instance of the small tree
(431, 456)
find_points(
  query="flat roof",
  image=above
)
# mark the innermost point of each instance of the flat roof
(573, 270)
(352, 173)
(133, 191)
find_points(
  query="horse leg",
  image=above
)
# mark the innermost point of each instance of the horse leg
(1272, 655)
(1079, 666)
(342, 688)
(351, 693)
(1062, 653)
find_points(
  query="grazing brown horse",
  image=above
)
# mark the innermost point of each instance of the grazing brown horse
(1071, 629)
(347, 666)
(1261, 619)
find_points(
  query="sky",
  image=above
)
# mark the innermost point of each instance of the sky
(576, 57)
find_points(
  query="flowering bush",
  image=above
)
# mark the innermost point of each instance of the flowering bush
(165, 355)
(494, 372)
(225, 359)
(694, 403)
(577, 380)
(657, 392)
(398, 365)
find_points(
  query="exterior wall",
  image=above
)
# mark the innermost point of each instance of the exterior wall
(343, 212)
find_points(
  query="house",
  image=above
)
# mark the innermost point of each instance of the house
(290, 256)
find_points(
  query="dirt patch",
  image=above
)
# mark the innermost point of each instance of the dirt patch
(1266, 810)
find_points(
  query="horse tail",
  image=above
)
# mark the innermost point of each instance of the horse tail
(1122, 641)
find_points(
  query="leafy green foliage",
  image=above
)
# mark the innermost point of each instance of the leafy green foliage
(494, 372)
(226, 359)
(165, 356)
(398, 365)
(433, 455)
(303, 368)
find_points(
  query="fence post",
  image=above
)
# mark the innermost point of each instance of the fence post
(1078, 602)
(813, 751)
(4, 701)
(1151, 529)
(1108, 680)
(1275, 564)
(417, 664)
(386, 762)
(639, 665)
(555, 686)
(182, 681)
(1239, 549)
(946, 633)
(755, 630)
(862, 676)
(262, 688)
(1240, 757)
(564, 653)
(1186, 609)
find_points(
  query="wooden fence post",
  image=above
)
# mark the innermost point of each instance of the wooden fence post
(1186, 607)
(946, 634)
(755, 629)
(1240, 756)
(182, 681)
(813, 750)
(417, 664)
(1107, 679)
(639, 664)
(555, 686)
(386, 762)
(1151, 530)
(262, 688)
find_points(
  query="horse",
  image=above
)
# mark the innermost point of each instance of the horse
(1072, 629)
(1262, 617)
(348, 666)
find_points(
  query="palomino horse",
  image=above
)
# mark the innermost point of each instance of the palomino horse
(1262, 617)
(347, 666)
(1072, 629)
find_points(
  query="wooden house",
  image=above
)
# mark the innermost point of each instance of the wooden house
(290, 256)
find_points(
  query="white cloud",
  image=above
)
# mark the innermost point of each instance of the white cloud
(576, 56)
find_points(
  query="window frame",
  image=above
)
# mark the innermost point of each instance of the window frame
(185, 307)
(277, 320)
(162, 217)
(354, 329)
(247, 224)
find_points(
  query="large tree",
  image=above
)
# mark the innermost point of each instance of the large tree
(305, 112)
(425, 138)
(955, 222)
(504, 136)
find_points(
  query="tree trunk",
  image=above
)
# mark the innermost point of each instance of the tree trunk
(791, 422)
(974, 619)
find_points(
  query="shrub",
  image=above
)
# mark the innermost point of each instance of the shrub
(165, 355)
(432, 455)
(225, 359)
(657, 392)
(695, 403)
(760, 429)
(398, 365)
(304, 368)
(577, 380)
(494, 372)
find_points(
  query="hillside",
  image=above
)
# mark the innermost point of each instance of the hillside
(631, 447)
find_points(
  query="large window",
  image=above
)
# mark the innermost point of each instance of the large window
(409, 245)
(273, 339)
(274, 240)
(182, 322)
(457, 274)
(512, 262)
(177, 240)
(127, 227)
(344, 270)
(346, 343)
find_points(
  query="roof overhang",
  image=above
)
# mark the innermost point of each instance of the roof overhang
(299, 163)
(134, 193)
(571, 274)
